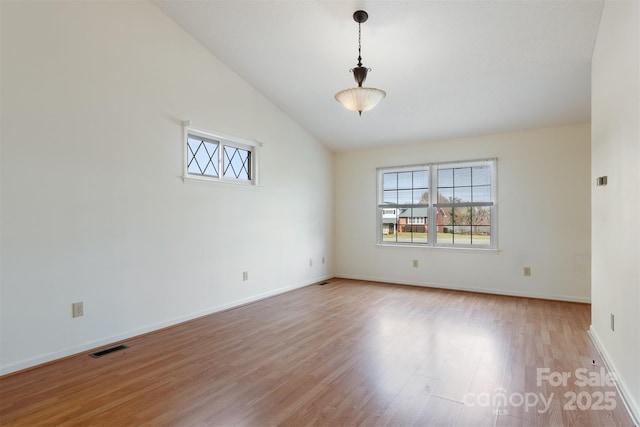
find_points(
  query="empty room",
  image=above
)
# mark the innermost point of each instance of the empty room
(310, 212)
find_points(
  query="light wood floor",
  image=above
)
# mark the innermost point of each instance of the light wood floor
(346, 353)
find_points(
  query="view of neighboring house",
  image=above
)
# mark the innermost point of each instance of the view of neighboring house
(415, 220)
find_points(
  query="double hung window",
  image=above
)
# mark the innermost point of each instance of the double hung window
(440, 204)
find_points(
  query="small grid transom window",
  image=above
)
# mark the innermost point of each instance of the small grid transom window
(216, 157)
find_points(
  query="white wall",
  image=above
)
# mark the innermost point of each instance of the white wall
(93, 209)
(542, 207)
(616, 208)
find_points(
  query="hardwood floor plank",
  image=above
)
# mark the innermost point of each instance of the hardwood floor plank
(346, 353)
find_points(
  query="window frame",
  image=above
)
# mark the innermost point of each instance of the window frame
(434, 205)
(223, 140)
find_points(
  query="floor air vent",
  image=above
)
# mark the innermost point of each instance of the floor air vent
(108, 351)
(323, 283)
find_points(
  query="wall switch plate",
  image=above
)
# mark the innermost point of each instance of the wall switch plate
(526, 271)
(613, 322)
(245, 276)
(77, 309)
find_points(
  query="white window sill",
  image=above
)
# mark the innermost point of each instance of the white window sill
(492, 251)
(217, 181)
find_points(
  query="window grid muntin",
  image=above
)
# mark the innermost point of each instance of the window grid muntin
(238, 165)
(207, 150)
(460, 182)
(461, 223)
(405, 187)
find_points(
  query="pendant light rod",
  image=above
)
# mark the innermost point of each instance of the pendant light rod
(360, 16)
(360, 72)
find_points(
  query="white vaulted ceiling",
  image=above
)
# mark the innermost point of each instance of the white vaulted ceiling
(450, 68)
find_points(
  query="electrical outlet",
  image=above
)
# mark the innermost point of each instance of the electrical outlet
(245, 276)
(526, 271)
(77, 309)
(415, 263)
(310, 262)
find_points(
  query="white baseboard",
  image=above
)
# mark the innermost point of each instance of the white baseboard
(50, 357)
(438, 285)
(632, 407)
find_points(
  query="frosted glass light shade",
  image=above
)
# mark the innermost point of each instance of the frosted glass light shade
(360, 98)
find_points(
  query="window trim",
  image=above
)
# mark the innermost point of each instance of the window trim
(431, 220)
(224, 140)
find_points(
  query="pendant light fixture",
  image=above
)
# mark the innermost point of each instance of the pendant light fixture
(360, 98)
